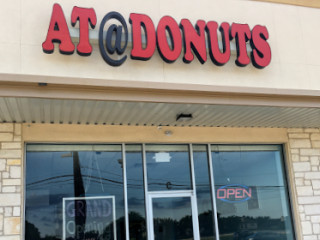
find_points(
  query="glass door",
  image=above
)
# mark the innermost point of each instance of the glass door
(172, 216)
(171, 200)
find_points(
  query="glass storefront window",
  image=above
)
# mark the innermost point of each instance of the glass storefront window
(251, 193)
(156, 191)
(204, 199)
(74, 192)
(168, 167)
(136, 196)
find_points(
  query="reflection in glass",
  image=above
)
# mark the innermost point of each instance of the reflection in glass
(168, 167)
(250, 189)
(204, 200)
(67, 172)
(135, 192)
(251, 193)
(172, 218)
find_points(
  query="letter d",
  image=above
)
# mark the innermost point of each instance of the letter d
(138, 52)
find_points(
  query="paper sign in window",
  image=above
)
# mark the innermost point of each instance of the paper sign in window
(89, 218)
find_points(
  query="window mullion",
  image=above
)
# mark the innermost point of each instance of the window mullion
(213, 192)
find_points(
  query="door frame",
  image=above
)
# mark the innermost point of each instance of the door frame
(172, 194)
(179, 193)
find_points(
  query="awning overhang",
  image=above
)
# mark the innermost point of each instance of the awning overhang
(156, 104)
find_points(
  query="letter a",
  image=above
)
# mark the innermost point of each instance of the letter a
(58, 32)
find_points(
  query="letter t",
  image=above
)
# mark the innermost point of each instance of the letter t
(84, 15)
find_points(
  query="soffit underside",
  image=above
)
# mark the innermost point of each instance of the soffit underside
(93, 112)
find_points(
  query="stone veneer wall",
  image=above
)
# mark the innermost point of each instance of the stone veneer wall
(10, 181)
(304, 146)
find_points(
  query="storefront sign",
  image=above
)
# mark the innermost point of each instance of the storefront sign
(234, 193)
(193, 39)
(89, 218)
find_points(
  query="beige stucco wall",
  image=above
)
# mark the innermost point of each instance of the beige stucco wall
(294, 33)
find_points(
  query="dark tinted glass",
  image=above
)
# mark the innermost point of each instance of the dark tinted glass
(90, 183)
(168, 167)
(135, 188)
(172, 218)
(251, 192)
(204, 200)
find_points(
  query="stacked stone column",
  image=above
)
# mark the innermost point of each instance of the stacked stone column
(305, 154)
(10, 181)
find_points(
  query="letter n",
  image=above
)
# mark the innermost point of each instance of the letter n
(194, 39)
(58, 32)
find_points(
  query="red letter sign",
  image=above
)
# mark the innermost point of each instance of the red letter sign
(58, 32)
(168, 38)
(138, 52)
(241, 32)
(169, 54)
(195, 40)
(216, 56)
(84, 15)
(261, 52)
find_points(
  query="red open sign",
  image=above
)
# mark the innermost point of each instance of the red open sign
(234, 193)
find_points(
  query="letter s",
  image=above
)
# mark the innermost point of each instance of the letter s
(261, 52)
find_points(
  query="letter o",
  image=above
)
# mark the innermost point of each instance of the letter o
(168, 54)
(71, 231)
(224, 192)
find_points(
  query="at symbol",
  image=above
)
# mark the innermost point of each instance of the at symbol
(117, 31)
